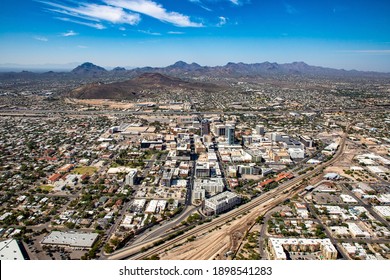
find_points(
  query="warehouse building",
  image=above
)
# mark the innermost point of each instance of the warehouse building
(11, 249)
(70, 239)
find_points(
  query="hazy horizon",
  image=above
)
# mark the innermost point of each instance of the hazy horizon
(135, 33)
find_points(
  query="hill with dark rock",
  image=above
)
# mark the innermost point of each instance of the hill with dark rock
(143, 85)
(88, 68)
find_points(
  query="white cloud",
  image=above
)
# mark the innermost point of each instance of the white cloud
(122, 28)
(368, 51)
(41, 38)
(90, 24)
(82, 47)
(69, 33)
(200, 4)
(149, 32)
(96, 12)
(222, 21)
(235, 2)
(290, 9)
(374, 51)
(206, 8)
(175, 32)
(72, 14)
(155, 10)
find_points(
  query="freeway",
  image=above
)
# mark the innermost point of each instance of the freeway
(262, 203)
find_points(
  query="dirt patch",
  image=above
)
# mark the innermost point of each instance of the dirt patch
(102, 103)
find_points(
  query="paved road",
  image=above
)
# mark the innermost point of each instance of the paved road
(379, 178)
(118, 219)
(365, 240)
(164, 229)
(190, 187)
(263, 235)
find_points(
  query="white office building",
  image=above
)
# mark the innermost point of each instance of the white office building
(222, 202)
(296, 153)
(198, 194)
(131, 177)
(211, 185)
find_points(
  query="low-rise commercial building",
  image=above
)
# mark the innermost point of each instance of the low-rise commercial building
(156, 206)
(384, 211)
(11, 249)
(356, 231)
(71, 239)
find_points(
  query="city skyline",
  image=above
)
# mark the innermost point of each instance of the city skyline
(135, 33)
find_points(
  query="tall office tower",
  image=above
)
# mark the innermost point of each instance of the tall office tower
(220, 130)
(131, 177)
(260, 129)
(230, 135)
(205, 127)
(306, 141)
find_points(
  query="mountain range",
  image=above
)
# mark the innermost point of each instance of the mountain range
(233, 70)
(89, 81)
(184, 70)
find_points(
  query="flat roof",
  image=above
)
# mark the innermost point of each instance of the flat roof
(139, 202)
(277, 244)
(132, 172)
(377, 169)
(347, 198)
(202, 182)
(10, 250)
(216, 199)
(73, 239)
(200, 164)
(383, 210)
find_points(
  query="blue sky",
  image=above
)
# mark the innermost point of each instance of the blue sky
(349, 34)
